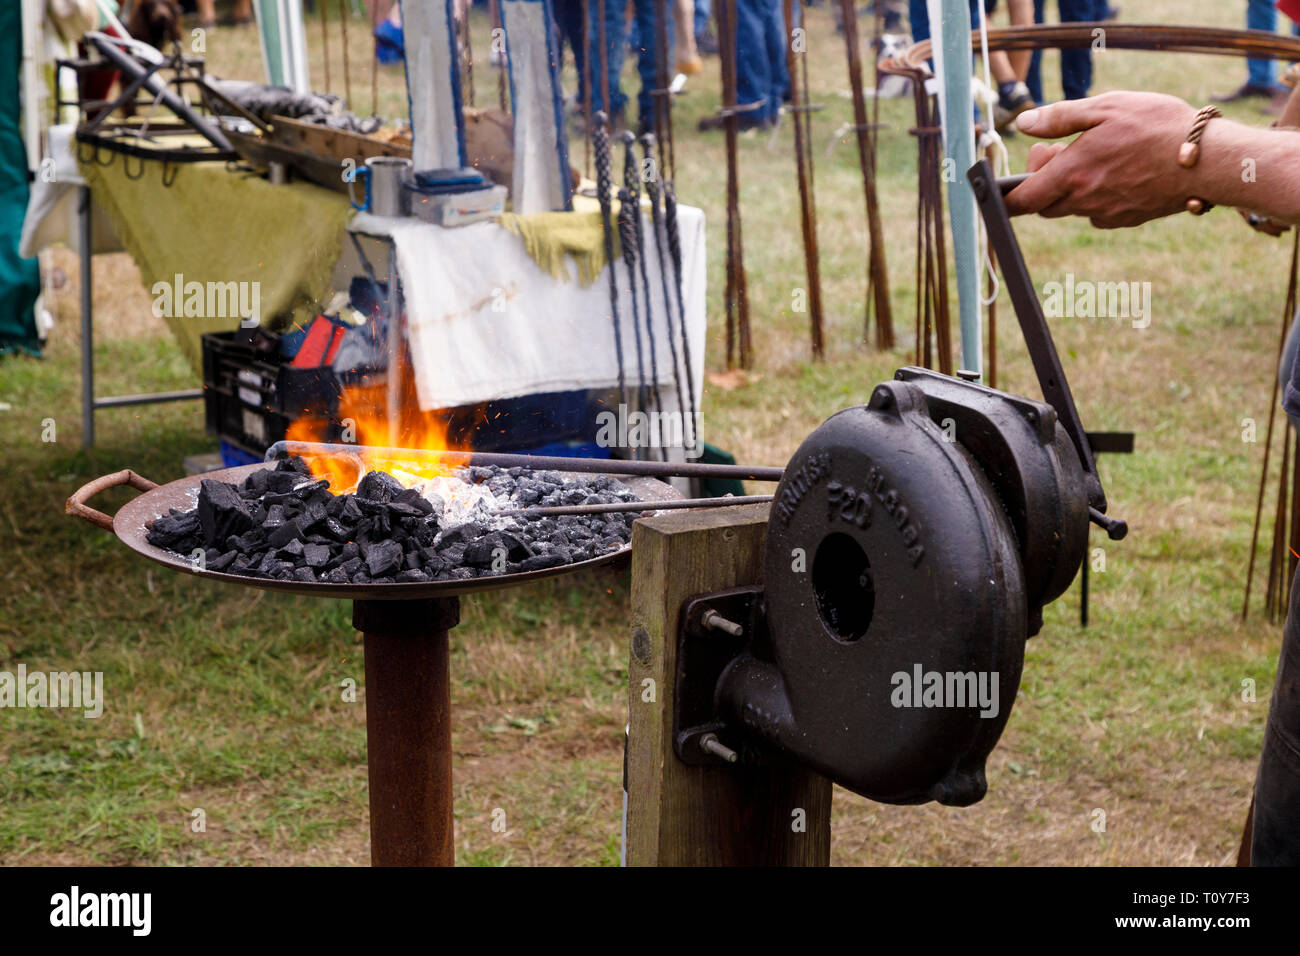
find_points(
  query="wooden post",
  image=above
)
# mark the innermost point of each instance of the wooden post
(681, 815)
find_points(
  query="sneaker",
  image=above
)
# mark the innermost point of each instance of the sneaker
(1011, 103)
(1244, 92)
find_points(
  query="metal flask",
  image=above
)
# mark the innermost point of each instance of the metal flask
(386, 178)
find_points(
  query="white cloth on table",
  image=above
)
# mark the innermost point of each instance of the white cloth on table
(485, 322)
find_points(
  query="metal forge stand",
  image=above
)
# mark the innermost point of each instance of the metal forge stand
(408, 729)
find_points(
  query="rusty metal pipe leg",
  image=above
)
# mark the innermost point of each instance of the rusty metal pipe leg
(408, 729)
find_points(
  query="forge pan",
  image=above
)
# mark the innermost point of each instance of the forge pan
(131, 524)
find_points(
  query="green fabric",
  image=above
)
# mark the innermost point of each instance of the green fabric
(20, 279)
(551, 238)
(718, 487)
(216, 226)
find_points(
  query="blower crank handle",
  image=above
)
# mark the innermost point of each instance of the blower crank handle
(988, 192)
(1116, 528)
(1008, 183)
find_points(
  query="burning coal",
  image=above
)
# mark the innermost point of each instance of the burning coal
(286, 524)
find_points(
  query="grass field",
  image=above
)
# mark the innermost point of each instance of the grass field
(229, 700)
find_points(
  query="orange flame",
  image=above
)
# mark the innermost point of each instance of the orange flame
(363, 414)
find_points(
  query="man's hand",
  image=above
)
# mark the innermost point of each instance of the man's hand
(1122, 171)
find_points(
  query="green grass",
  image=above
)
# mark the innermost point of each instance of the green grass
(229, 700)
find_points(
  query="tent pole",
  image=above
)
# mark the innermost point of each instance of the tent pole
(950, 21)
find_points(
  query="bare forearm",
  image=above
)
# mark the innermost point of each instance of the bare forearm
(1122, 169)
(1257, 169)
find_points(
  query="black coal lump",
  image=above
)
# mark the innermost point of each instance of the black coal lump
(318, 490)
(256, 483)
(313, 513)
(383, 558)
(480, 552)
(516, 547)
(284, 534)
(274, 517)
(378, 486)
(222, 512)
(412, 574)
(317, 555)
(304, 574)
(222, 561)
(461, 534)
(292, 463)
(400, 509)
(282, 482)
(540, 562)
(293, 549)
(176, 531)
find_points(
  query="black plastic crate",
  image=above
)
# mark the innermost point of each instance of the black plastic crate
(251, 393)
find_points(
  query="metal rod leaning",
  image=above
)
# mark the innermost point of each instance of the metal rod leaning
(596, 466)
(725, 501)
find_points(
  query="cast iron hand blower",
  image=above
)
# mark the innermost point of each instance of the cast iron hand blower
(912, 545)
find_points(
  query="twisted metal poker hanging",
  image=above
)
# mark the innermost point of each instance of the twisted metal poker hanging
(631, 180)
(604, 186)
(653, 193)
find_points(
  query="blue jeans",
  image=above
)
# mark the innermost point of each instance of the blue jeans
(616, 44)
(919, 18)
(761, 75)
(1076, 65)
(568, 20)
(1260, 15)
(703, 10)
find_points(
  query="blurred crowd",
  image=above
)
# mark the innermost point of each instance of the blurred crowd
(762, 81)
(1261, 75)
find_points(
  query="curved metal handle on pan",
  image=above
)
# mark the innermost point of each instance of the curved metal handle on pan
(76, 505)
